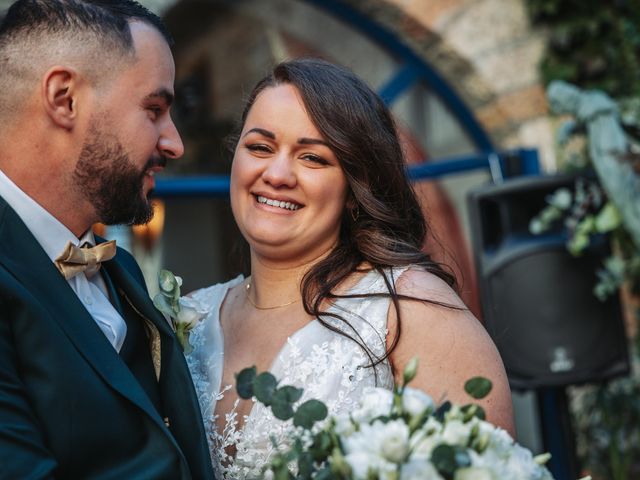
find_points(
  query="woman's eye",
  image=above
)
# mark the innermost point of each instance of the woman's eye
(315, 159)
(259, 147)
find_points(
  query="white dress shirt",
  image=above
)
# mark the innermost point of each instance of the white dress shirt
(53, 237)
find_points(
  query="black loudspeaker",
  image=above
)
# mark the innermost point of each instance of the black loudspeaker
(537, 299)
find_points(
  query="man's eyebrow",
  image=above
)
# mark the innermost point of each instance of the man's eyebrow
(263, 132)
(161, 93)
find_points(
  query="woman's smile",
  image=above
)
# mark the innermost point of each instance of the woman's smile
(275, 202)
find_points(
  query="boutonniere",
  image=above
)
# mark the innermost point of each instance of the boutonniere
(184, 313)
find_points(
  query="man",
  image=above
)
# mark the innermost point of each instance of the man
(92, 381)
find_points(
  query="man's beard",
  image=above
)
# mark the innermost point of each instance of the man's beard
(107, 179)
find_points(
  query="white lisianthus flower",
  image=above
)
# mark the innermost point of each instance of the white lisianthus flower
(415, 402)
(361, 463)
(387, 470)
(419, 470)
(475, 473)
(422, 444)
(375, 403)
(395, 441)
(344, 426)
(520, 464)
(367, 439)
(191, 312)
(456, 432)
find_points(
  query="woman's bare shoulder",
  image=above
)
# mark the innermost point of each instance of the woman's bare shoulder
(450, 342)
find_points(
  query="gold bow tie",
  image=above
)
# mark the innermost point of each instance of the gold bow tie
(75, 260)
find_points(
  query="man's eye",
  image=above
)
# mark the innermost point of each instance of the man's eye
(155, 110)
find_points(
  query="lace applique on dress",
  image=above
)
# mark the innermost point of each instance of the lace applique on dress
(328, 366)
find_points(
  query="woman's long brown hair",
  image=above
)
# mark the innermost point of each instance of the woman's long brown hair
(382, 225)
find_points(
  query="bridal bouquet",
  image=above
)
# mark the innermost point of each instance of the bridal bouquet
(393, 435)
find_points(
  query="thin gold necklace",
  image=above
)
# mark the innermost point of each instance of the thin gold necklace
(248, 293)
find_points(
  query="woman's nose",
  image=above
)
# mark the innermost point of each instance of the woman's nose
(280, 172)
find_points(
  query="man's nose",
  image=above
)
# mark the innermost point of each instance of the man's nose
(170, 144)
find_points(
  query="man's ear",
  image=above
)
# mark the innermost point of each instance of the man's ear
(59, 94)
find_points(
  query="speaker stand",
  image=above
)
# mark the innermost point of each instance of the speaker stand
(557, 432)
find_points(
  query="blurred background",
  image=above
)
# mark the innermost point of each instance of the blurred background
(511, 190)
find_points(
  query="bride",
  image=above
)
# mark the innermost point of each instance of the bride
(340, 295)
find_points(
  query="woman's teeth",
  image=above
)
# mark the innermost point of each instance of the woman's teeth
(278, 203)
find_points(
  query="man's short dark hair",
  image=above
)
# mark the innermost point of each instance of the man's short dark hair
(91, 36)
(108, 18)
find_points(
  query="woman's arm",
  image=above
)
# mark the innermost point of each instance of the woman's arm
(451, 344)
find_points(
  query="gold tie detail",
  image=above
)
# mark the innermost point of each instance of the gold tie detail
(74, 260)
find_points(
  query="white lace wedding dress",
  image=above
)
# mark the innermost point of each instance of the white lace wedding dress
(328, 366)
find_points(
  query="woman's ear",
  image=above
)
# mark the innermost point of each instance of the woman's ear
(59, 92)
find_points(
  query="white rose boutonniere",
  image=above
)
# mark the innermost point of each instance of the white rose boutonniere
(184, 313)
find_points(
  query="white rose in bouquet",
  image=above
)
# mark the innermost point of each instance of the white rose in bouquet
(414, 402)
(375, 403)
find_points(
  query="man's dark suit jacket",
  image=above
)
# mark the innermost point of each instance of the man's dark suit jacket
(70, 407)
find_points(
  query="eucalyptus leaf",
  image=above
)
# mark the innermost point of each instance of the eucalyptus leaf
(443, 458)
(309, 413)
(447, 459)
(321, 447)
(578, 243)
(478, 387)
(289, 393)
(282, 410)
(442, 410)
(325, 474)
(264, 386)
(305, 466)
(162, 303)
(168, 282)
(608, 218)
(244, 382)
(282, 473)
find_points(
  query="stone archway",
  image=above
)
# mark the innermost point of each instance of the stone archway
(485, 49)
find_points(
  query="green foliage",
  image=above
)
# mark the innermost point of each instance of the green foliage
(167, 301)
(607, 420)
(264, 388)
(317, 451)
(244, 382)
(447, 459)
(592, 43)
(478, 387)
(606, 416)
(309, 413)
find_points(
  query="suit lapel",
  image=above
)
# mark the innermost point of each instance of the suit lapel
(22, 255)
(125, 289)
(178, 395)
